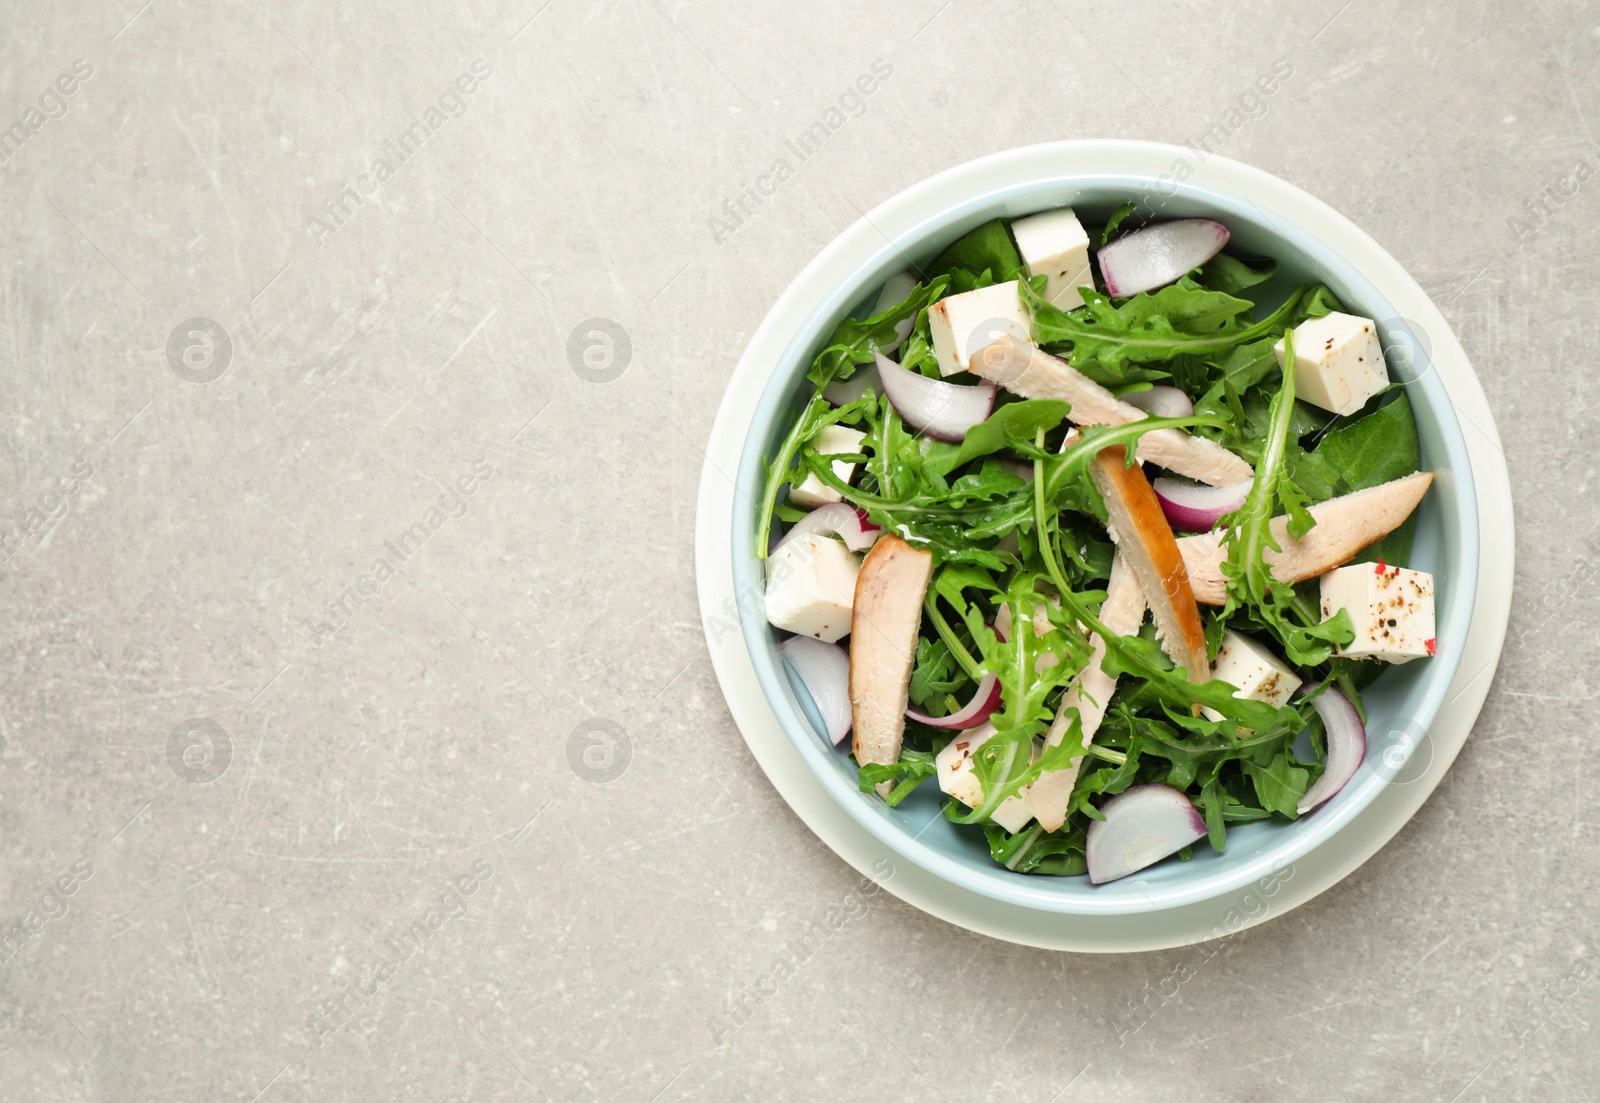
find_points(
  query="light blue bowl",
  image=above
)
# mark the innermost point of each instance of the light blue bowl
(1401, 705)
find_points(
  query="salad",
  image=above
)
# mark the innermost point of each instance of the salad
(1114, 524)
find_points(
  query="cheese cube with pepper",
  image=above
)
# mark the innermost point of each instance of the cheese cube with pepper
(1056, 245)
(1391, 610)
(811, 587)
(964, 325)
(1338, 362)
(1253, 670)
(958, 778)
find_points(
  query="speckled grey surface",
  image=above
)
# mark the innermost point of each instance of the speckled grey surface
(241, 764)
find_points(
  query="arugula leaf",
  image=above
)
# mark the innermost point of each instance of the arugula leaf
(854, 340)
(1029, 665)
(1033, 850)
(1306, 638)
(1114, 222)
(1240, 368)
(913, 768)
(1012, 427)
(1250, 581)
(1279, 783)
(1211, 807)
(817, 415)
(936, 677)
(1104, 339)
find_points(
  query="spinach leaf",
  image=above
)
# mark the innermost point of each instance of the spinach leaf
(1232, 275)
(987, 248)
(1377, 449)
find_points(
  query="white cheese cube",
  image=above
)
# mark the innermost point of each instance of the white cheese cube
(1390, 608)
(811, 585)
(957, 778)
(1054, 244)
(830, 440)
(963, 325)
(1338, 362)
(1255, 672)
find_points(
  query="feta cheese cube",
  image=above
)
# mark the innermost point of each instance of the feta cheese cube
(957, 778)
(1054, 244)
(1338, 362)
(830, 440)
(811, 586)
(965, 324)
(1390, 608)
(1255, 672)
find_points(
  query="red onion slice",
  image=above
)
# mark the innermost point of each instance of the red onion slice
(985, 700)
(1161, 401)
(1143, 825)
(944, 411)
(893, 294)
(842, 392)
(1194, 507)
(1347, 746)
(824, 668)
(1157, 255)
(835, 519)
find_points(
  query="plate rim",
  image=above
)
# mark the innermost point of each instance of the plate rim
(1331, 859)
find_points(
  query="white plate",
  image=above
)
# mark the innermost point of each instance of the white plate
(1163, 928)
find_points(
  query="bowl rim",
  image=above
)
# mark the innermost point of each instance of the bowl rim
(1011, 178)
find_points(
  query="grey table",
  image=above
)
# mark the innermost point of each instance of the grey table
(358, 739)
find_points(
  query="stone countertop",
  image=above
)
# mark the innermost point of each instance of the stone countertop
(358, 738)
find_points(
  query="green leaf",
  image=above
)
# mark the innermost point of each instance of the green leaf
(936, 677)
(987, 248)
(1029, 665)
(1034, 850)
(1211, 807)
(1114, 222)
(1375, 449)
(913, 768)
(780, 471)
(1012, 427)
(1232, 275)
(1103, 339)
(854, 340)
(1279, 784)
(1250, 581)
